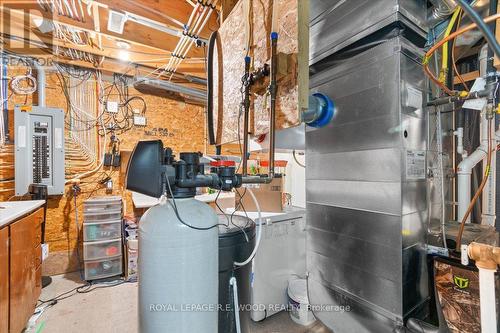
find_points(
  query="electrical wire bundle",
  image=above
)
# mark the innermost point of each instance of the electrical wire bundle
(83, 98)
(64, 73)
(123, 120)
(78, 55)
(69, 8)
(29, 86)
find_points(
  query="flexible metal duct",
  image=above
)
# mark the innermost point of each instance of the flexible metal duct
(441, 9)
(165, 88)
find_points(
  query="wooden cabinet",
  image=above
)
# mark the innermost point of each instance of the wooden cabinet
(21, 258)
(4, 280)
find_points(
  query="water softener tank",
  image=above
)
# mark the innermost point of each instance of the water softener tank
(178, 268)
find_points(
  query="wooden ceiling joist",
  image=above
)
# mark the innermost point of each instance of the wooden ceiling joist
(171, 12)
(149, 48)
(133, 33)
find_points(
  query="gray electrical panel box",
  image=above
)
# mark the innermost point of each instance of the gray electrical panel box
(39, 145)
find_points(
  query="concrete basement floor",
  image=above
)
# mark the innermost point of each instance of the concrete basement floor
(114, 310)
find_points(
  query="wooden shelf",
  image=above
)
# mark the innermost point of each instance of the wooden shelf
(471, 76)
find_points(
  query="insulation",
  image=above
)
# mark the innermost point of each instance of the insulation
(289, 15)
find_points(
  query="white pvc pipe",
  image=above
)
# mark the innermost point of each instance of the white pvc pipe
(234, 284)
(199, 19)
(489, 192)
(465, 169)
(488, 216)
(460, 142)
(259, 232)
(487, 300)
(195, 9)
(186, 43)
(40, 76)
(183, 41)
(464, 179)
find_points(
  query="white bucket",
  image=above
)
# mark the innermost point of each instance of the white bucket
(299, 303)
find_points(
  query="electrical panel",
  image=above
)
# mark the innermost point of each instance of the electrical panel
(39, 144)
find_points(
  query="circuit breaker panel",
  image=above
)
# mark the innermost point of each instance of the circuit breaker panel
(39, 142)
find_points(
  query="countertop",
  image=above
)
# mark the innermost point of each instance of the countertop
(12, 210)
(144, 201)
(289, 213)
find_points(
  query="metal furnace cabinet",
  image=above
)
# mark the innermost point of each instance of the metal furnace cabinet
(366, 191)
(337, 24)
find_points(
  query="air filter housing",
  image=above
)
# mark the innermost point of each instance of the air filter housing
(168, 89)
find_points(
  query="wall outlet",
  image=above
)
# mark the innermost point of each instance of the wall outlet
(112, 107)
(45, 251)
(139, 120)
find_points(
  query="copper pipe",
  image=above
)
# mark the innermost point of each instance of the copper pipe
(485, 256)
(273, 89)
(246, 112)
(445, 40)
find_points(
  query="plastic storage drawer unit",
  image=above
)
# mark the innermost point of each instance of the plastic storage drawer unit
(102, 204)
(102, 249)
(102, 231)
(103, 268)
(103, 216)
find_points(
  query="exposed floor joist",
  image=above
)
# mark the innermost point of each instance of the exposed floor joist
(149, 48)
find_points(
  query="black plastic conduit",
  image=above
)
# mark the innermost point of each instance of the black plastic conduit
(210, 87)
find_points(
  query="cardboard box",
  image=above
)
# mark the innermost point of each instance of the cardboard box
(276, 185)
(225, 201)
(269, 196)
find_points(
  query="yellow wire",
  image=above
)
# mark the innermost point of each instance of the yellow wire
(445, 65)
